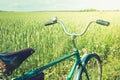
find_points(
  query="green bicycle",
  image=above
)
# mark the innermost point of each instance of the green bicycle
(87, 67)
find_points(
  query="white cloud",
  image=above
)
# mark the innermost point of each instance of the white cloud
(31, 5)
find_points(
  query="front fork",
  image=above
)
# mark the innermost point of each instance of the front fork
(81, 68)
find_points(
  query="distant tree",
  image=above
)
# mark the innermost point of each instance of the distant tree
(88, 10)
(1, 11)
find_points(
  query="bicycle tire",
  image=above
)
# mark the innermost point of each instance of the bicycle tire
(88, 67)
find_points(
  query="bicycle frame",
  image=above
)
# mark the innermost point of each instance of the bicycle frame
(77, 61)
(80, 62)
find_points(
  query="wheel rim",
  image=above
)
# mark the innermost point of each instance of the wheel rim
(92, 69)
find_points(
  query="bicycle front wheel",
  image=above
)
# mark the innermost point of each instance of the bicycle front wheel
(91, 68)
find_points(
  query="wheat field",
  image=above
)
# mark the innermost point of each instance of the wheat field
(20, 30)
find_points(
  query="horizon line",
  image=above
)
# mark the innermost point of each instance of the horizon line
(83, 10)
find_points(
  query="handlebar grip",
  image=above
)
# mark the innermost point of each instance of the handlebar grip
(49, 23)
(102, 22)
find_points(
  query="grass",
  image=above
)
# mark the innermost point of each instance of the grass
(26, 29)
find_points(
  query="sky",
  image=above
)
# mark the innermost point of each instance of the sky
(43, 5)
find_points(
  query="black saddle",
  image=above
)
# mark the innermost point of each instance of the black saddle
(13, 60)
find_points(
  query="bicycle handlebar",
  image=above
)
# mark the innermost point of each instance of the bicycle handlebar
(55, 20)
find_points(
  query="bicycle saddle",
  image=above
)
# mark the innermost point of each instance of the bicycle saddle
(9, 61)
